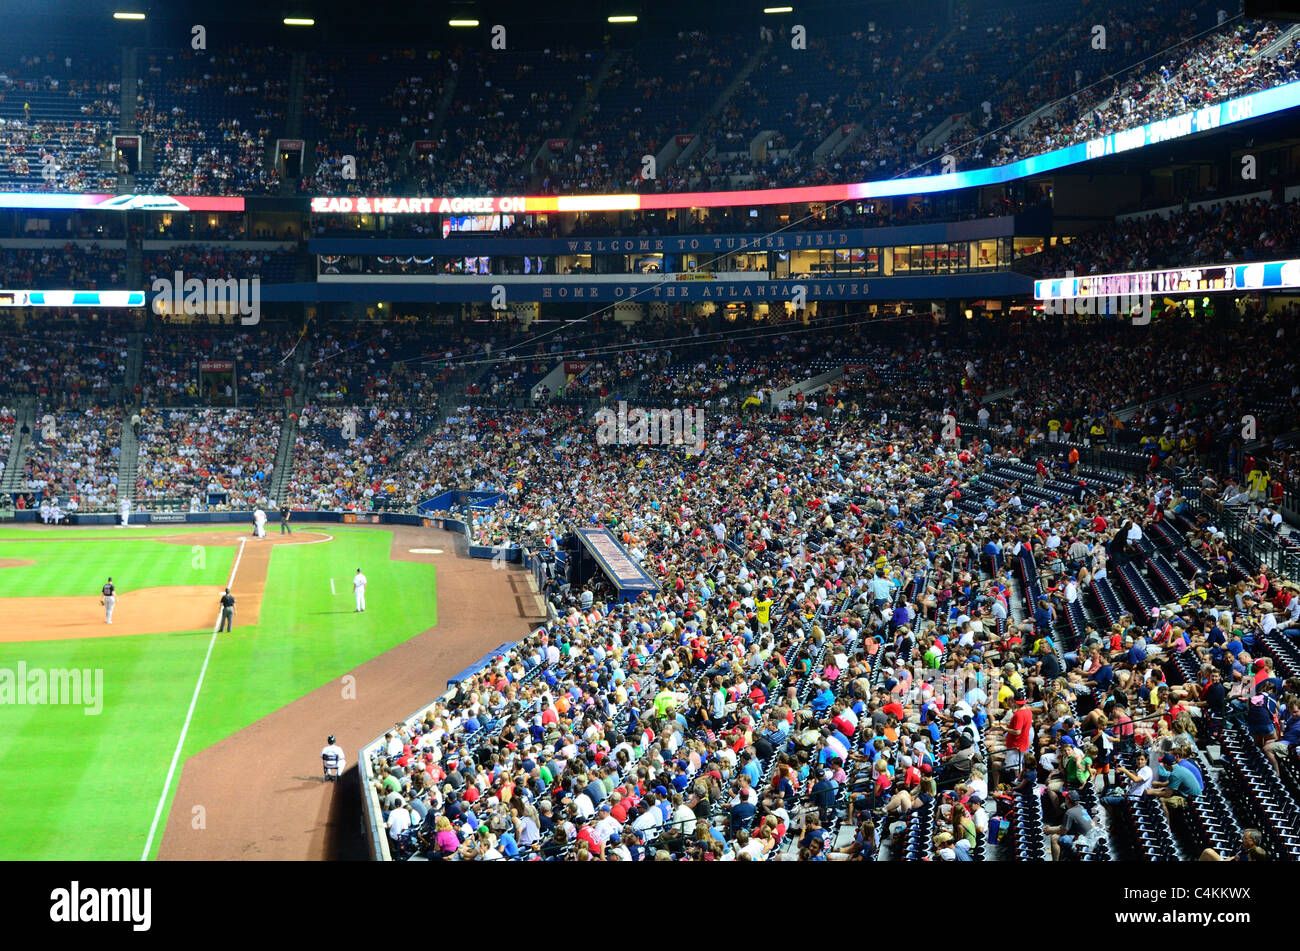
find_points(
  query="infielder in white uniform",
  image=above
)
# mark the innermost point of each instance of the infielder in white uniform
(126, 512)
(359, 589)
(259, 523)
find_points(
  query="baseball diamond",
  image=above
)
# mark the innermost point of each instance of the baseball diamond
(280, 670)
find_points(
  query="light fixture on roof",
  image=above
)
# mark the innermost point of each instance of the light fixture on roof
(128, 16)
(299, 21)
(622, 19)
(778, 9)
(462, 22)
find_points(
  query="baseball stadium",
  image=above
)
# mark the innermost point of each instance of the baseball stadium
(846, 431)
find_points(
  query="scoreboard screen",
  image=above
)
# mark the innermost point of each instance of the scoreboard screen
(1269, 275)
(67, 298)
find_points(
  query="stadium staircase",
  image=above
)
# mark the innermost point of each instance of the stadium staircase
(283, 457)
(293, 122)
(567, 131)
(289, 423)
(1284, 40)
(1179, 396)
(24, 415)
(128, 460)
(127, 120)
(450, 82)
(697, 131)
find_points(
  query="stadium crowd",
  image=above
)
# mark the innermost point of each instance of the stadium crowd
(1217, 233)
(72, 460)
(891, 99)
(58, 366)
(842, 652)
(173, 359)
(206, 459)
(347, 458)
(72, 266)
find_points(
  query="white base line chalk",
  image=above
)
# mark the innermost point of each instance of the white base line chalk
(185, 729)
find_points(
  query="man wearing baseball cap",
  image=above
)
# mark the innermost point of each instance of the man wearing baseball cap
(333, 759)
(1074, 824)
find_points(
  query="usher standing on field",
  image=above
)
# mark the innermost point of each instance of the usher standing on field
(227, 611)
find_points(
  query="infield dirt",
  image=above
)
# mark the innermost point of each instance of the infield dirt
(175, 608)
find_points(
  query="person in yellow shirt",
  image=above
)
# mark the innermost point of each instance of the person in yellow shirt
(1053, 430)
(1259, 479)
(1097, 432)
(763, 611)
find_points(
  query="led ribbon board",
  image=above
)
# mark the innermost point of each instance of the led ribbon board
(53, 201)
(1252, 106)
(71, 298)
(1261, 276)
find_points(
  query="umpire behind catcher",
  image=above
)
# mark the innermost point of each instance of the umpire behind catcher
(227, 611)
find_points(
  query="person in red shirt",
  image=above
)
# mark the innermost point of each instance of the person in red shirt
(1016, 736)
(585, 834)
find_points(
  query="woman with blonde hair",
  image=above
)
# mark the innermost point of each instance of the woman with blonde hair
(1184, 729)
(445, 840)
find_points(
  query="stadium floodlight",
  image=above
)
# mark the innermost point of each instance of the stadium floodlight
(128, 16)
(299, 21)
(462, 22)
(622, 19)
(778, 9)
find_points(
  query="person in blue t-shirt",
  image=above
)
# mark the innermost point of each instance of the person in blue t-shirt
(1176, 783)
(506, 843)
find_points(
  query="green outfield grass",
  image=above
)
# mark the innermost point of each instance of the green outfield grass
(66, 568)
(74, 786)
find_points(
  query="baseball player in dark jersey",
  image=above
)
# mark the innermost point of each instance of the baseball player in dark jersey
(108, 599)
(227, 611)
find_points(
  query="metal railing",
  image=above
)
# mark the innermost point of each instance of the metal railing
(1251, 537)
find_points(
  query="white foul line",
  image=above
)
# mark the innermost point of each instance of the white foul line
(171, 771)
(332, 591)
